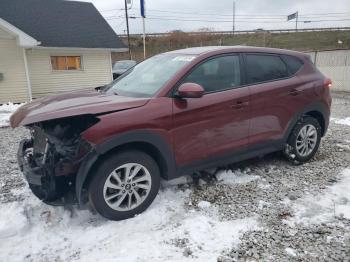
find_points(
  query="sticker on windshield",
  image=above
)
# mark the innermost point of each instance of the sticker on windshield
(184, 58)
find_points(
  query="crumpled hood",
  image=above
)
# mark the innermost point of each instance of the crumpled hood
(72, 104)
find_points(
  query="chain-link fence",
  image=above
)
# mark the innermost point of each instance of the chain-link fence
(334, 64)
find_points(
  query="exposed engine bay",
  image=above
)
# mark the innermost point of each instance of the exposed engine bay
(51, 158)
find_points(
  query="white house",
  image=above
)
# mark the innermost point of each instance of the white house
(51, 46)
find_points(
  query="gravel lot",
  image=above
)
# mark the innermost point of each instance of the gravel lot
(285, 201)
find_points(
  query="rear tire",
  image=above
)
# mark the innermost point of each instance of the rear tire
(304, 140)
(125, 184)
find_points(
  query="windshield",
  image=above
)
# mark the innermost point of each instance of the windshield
(146, 78)
(124, 64)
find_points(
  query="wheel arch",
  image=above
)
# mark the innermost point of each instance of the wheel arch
(319, 117)
(317, 110)
(145, 141)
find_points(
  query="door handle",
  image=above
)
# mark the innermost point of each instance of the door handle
(239, 105)
(294, 92)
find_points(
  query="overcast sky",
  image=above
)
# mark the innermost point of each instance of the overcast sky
(192, 15)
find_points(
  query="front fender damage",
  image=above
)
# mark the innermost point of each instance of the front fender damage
(51, 158)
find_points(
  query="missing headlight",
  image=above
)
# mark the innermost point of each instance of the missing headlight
(53, 155)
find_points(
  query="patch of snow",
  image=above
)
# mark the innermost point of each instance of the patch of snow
(6, 110)
(177, 181)
(4, 119)
(342, 121)
(264, 186)
(204, 204)
(235, 177)
(291, 251)
(343, 147)
(9, 107)
(334, 202)
(262, 204)
(31, 230)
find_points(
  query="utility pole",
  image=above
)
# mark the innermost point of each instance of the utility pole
(233, 17)
(144, 37)
(143, 15)
(127, 27)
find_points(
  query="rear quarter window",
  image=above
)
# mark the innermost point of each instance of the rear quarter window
(265, 67)
(294, 64)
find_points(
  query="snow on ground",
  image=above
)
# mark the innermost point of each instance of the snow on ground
(342, 121)
(290, 251)
(334, 202)
(6, 111)
(167, 231)
(235, 177)
(237, 218)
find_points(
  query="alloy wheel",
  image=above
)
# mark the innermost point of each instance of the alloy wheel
(127, 187)
(306, 140)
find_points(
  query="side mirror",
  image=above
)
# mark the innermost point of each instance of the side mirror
(190, 90)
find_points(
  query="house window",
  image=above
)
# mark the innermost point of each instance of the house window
(66, 62)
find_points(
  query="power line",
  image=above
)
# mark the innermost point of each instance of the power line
(230, 15)
(120, 24)
(211, 18)
(326, 13)
(201, 14)
(114, 17)
(325, 20)
(197, 18)
(252, 19)
(222, 21)
(326, 16)
(202, 20)
(204, 14)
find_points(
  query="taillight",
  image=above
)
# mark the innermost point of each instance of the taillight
(327, 83)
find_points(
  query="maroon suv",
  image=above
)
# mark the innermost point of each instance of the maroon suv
(170, 115)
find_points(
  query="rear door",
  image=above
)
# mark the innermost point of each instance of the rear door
(218, 122)
(276, 96)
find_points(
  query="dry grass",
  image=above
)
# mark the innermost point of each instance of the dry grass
(302, 41)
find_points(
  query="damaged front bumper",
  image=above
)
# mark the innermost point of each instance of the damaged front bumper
(51, 181)
(45, 183)
(32, 173)
(52, 158)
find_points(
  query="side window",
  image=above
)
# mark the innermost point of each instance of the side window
(293, 63)
(217, 74)
(262, 68)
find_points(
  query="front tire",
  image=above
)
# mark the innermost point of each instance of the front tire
(125, 184)
(304, 140)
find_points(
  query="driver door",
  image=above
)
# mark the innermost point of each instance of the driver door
(217, 123)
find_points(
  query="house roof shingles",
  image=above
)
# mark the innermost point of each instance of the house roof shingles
(58, 23)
